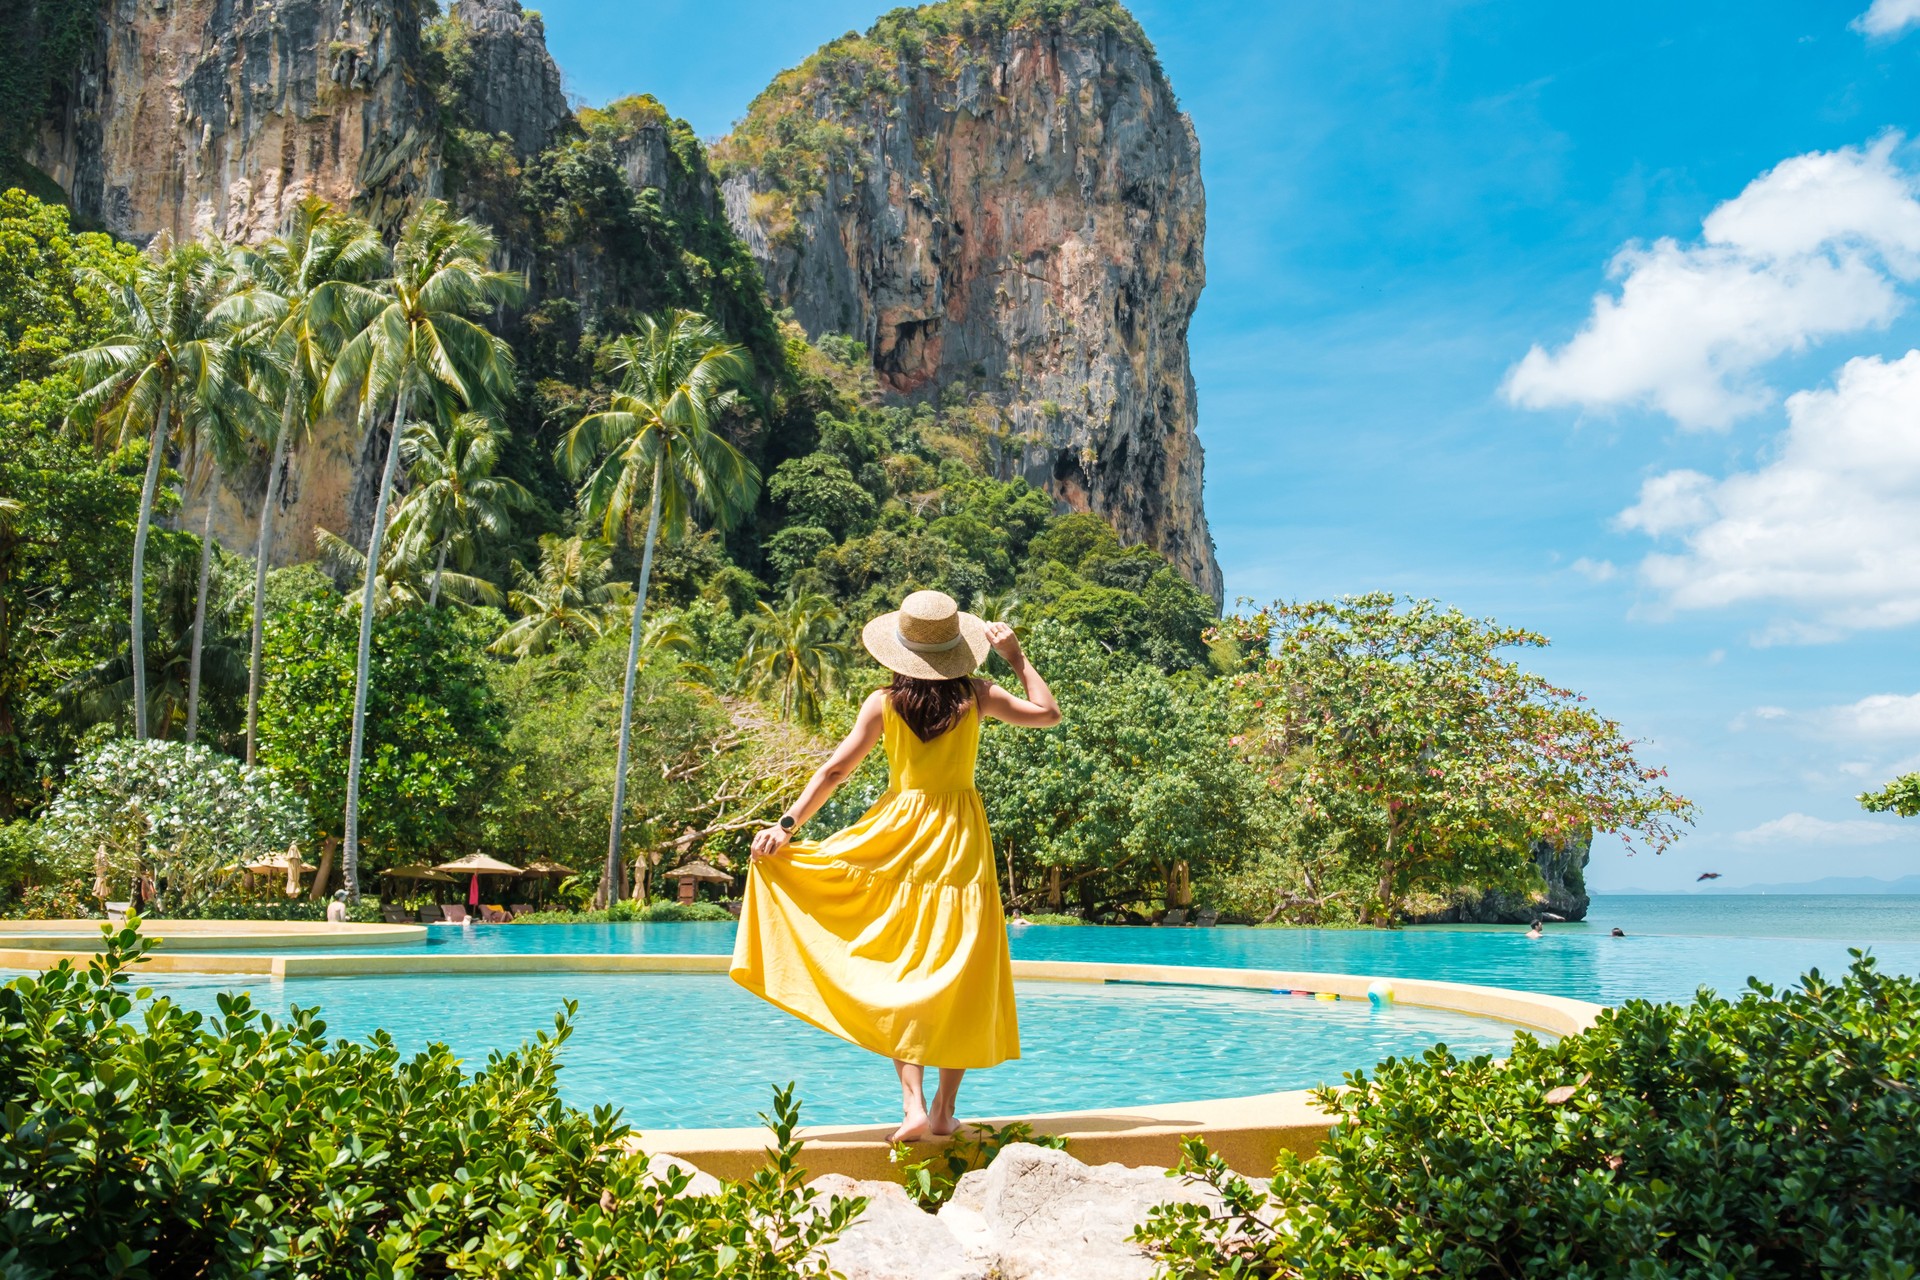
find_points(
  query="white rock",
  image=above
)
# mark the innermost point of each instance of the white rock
(1039, 1214)
(894, 1239)
(702, 1184)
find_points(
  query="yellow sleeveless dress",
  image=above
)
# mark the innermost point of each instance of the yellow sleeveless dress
(889, 934)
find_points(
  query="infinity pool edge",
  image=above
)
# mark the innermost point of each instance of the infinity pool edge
(1249, 1132)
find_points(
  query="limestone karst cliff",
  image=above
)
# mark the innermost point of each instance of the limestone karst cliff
(1562, 893)
(1009, 204)
(219, 115)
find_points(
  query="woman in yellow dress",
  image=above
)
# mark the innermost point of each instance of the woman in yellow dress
(889, 934)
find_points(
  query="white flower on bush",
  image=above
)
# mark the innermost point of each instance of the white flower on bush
(181, 812)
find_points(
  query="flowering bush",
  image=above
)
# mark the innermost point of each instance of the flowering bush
(187, 815)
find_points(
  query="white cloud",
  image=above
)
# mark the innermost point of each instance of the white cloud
(1887, 18)
(1595, 570)
(1829, 528)
(1879, 715)
(1815, 247)
(1801, 828)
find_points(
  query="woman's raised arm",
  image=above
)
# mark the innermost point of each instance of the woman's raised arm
(1037, 710)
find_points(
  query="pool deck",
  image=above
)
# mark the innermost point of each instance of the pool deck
(1249, 1132)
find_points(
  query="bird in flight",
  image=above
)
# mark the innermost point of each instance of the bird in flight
(1706, 875)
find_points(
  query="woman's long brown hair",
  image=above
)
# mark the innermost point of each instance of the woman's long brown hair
(930, 707)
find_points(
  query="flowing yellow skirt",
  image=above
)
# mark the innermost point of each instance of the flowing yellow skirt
(889, 934)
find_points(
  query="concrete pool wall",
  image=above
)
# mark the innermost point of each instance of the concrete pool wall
(1248, 1131)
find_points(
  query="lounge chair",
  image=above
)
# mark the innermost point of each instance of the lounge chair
(117, 911)
(395, 914)
(1174, 918)
(429, 915)
(494, 915)
(453, 913)
(521, 908)
(1207, 918)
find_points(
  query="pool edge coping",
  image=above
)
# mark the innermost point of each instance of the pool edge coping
(1249, 1132)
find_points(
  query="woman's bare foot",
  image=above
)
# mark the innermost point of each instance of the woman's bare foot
(943, 1124)
(915, 1128)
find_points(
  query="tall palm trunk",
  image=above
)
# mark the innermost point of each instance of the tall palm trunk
(611, 881)
(350, 847)
(200, 619)
(262, 551)
(156, 446)
(433, 596)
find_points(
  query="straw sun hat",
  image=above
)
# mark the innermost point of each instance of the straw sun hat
(927, 637)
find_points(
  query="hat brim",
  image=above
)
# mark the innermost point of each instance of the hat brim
(882, 639)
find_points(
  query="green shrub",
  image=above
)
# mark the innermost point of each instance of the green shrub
(1763, 1137)
(1052, 917)
(149, 1141)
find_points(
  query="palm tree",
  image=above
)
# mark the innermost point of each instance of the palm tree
(792, 657)
(294, 301)
(454, 499)
(569, 598)
(403, 581)
(657, 436)
(413, 340)
(168, 366)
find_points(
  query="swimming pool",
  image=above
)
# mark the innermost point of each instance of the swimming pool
(695, 1050)
(1674, 945)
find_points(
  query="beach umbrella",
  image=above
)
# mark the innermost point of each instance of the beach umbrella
(417, 871)
(477, 865)
(698, 870)
(545, 868)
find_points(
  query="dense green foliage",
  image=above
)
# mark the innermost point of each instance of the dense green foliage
(41, 43)
(1768, 1136)
(1413, 754)
(1133, 796)
(66, 515)
(434, 723)
(1901, 796)
(151, 1141)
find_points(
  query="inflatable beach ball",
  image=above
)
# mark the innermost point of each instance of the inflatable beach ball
(1380, 993)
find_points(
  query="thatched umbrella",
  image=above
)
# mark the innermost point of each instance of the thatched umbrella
(689, 872)
(477, 865)
(417, 871)
(546, 868)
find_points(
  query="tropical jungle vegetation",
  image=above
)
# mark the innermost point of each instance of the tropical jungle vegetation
(1771, 1135)
(616, 566)
(598, 603)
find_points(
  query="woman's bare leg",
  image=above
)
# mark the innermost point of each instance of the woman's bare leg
(940, 1117)
(913, 1102)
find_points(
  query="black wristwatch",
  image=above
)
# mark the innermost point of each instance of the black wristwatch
(787, 823)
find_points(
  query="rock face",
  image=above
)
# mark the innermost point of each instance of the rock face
(1017, 211)
(1033, 1214)
(1562, 872)
(195, 116)
(512, 85)
(219, 115)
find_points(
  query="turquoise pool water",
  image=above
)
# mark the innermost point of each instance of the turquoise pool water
(1674, 945)
(694, 1050)
(686, 1050)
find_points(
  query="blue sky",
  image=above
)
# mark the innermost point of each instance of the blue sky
(1689, 487)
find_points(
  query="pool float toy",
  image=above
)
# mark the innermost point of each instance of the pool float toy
(1380, 993)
